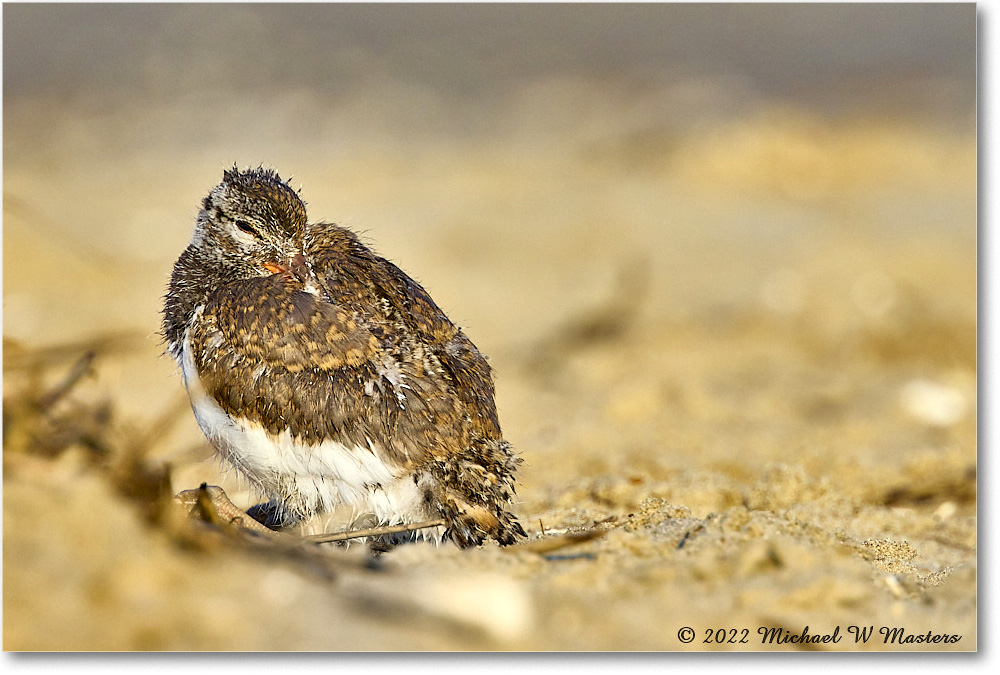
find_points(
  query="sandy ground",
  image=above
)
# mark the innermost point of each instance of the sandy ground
(734, 334)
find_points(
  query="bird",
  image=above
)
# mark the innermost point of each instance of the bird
(327, 377)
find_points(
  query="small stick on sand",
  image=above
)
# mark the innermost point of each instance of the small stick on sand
(374, 531)
(213, 505)
(555, 542)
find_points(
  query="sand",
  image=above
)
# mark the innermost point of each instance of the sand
(733, 334)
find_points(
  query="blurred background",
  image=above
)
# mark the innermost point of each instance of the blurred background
(721, 256)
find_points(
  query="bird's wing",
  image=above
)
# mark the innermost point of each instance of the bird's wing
(352, 275)
(286, 359)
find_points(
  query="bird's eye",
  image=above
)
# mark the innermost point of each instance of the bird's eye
(246, 227)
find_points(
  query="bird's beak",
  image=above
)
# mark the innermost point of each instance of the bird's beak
(296, 265)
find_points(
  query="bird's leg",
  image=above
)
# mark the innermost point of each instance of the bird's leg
(211, 504)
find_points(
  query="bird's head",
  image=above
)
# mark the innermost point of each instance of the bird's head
(253, 222)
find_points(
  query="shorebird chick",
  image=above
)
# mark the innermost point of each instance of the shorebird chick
(328, 377)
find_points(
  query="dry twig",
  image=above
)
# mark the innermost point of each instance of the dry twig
(211, 504)
(17, 357)
(76, 373)
(546, 545)
(375, 531)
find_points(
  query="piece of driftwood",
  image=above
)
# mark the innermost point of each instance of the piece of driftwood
(211, 504)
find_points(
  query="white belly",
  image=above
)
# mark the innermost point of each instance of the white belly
(305, 479)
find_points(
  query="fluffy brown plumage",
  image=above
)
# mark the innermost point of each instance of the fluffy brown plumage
(326, 375)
